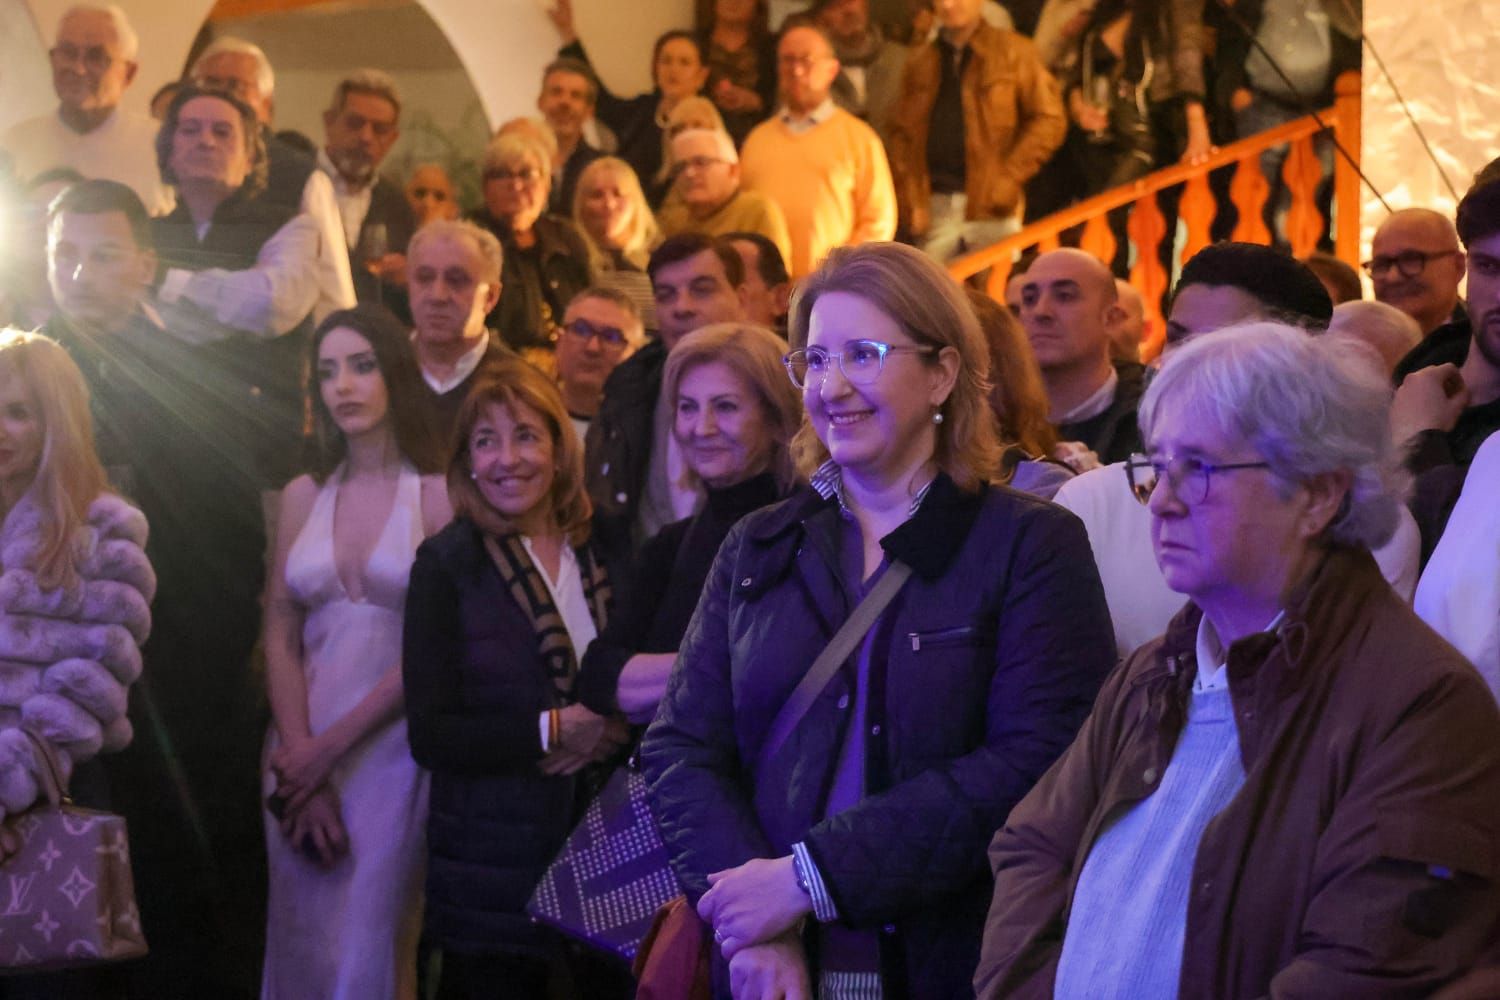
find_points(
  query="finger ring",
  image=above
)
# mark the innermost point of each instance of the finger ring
(719, 936)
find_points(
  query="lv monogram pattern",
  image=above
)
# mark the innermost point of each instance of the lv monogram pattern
(67, 897)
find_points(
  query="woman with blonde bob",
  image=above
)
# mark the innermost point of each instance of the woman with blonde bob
(76, 604)
(735, 414)
(610, 209)
(501, 604)
(859, 836)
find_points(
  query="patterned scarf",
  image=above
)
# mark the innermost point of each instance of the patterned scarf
(529, 590)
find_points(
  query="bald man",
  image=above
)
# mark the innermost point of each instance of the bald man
(1127, 329)
(1068, 304)
(1416, 265)
(1387, 329)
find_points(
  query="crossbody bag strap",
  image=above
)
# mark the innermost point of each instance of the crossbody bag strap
(834, 654)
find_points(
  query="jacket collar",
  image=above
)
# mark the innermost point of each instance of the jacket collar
(928, 541)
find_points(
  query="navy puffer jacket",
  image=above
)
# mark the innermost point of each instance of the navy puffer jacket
(988, 663)
(475, 689)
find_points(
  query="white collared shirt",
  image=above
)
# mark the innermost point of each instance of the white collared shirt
(353, 203)
(462, 368)
(1213, 657)
(797, 124)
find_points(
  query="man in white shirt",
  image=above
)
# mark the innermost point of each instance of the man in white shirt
(242, 70)
(454, 272)
(360, 126)
(93, 61)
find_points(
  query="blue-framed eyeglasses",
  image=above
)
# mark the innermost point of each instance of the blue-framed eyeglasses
(861, 361)
(1189, 477)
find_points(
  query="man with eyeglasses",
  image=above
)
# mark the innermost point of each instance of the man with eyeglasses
(1444, 411)
(1416, 265)
(1224, 285)
(823, 166)
(360, 127)
(601, 328)
(710, 198)
(93, 61)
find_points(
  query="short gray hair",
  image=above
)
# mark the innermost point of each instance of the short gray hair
(461, 229)
(1308, 405)
(374, 82)
(265, 79)
(130, 42)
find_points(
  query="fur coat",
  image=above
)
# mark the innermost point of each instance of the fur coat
(69, 655)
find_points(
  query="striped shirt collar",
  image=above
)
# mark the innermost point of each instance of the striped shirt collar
(828, 482)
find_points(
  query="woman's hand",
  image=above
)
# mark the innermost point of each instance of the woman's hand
(753, 903)
(729, 96)
(302, 767)
(10, 843)
(776, 970)
(581, 731)
(1089, 117)
(317, 829)
(561, 13)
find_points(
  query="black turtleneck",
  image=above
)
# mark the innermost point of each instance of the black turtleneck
(660, 593)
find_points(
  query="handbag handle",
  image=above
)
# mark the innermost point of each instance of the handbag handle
(50, 778)
(834, 654)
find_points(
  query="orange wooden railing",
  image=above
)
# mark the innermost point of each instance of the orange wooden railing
(1197, 208)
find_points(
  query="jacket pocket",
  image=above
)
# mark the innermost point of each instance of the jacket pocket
(957, 635)
(1449, 867)
(1446, 845)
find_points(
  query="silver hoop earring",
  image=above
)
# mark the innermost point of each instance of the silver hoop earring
(937, 418)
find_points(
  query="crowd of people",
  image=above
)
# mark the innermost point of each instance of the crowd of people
(351, 540)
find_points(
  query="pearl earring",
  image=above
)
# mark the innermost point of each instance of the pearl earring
(937, 418)
(474, 476)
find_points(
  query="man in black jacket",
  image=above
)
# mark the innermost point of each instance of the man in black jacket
(632, 463)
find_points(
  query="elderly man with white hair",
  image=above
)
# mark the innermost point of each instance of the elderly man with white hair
(1292, 792)
(707, 196)
(1389, 331)
(93, 60)
(239, 68)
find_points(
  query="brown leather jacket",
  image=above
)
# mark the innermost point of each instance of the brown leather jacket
(1358, 859)
(1014, 120)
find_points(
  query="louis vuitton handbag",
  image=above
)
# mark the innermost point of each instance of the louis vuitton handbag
(67, 898)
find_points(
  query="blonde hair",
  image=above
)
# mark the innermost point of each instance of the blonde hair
(754, 354)
(919, 296)
(643, 235)
(694, 113)
(68, 475)
(510, 383)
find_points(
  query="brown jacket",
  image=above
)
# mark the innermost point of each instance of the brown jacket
(1358, 859)
(1014, 120)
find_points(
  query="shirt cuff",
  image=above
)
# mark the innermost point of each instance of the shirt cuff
(811, 879)
(542, 726)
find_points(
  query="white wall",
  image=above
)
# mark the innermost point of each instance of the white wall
(1441, 56)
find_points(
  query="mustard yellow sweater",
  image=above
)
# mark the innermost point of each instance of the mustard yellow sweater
(746, 212)
(832, 182)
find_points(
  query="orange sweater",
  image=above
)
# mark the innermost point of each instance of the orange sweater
(832, 182)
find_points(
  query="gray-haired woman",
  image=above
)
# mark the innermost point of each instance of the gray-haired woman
(1292, 792)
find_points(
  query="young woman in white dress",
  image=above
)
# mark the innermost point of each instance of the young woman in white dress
(346, 805)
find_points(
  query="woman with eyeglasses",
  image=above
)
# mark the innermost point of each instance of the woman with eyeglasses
(546, 261)
(849, 854)
(1292, 792)
(734, 417)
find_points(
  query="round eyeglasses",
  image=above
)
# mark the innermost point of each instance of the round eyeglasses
(1189, 477)
(860, 361)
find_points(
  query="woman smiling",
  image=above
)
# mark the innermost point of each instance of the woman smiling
(501, 602)
(872, 811)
